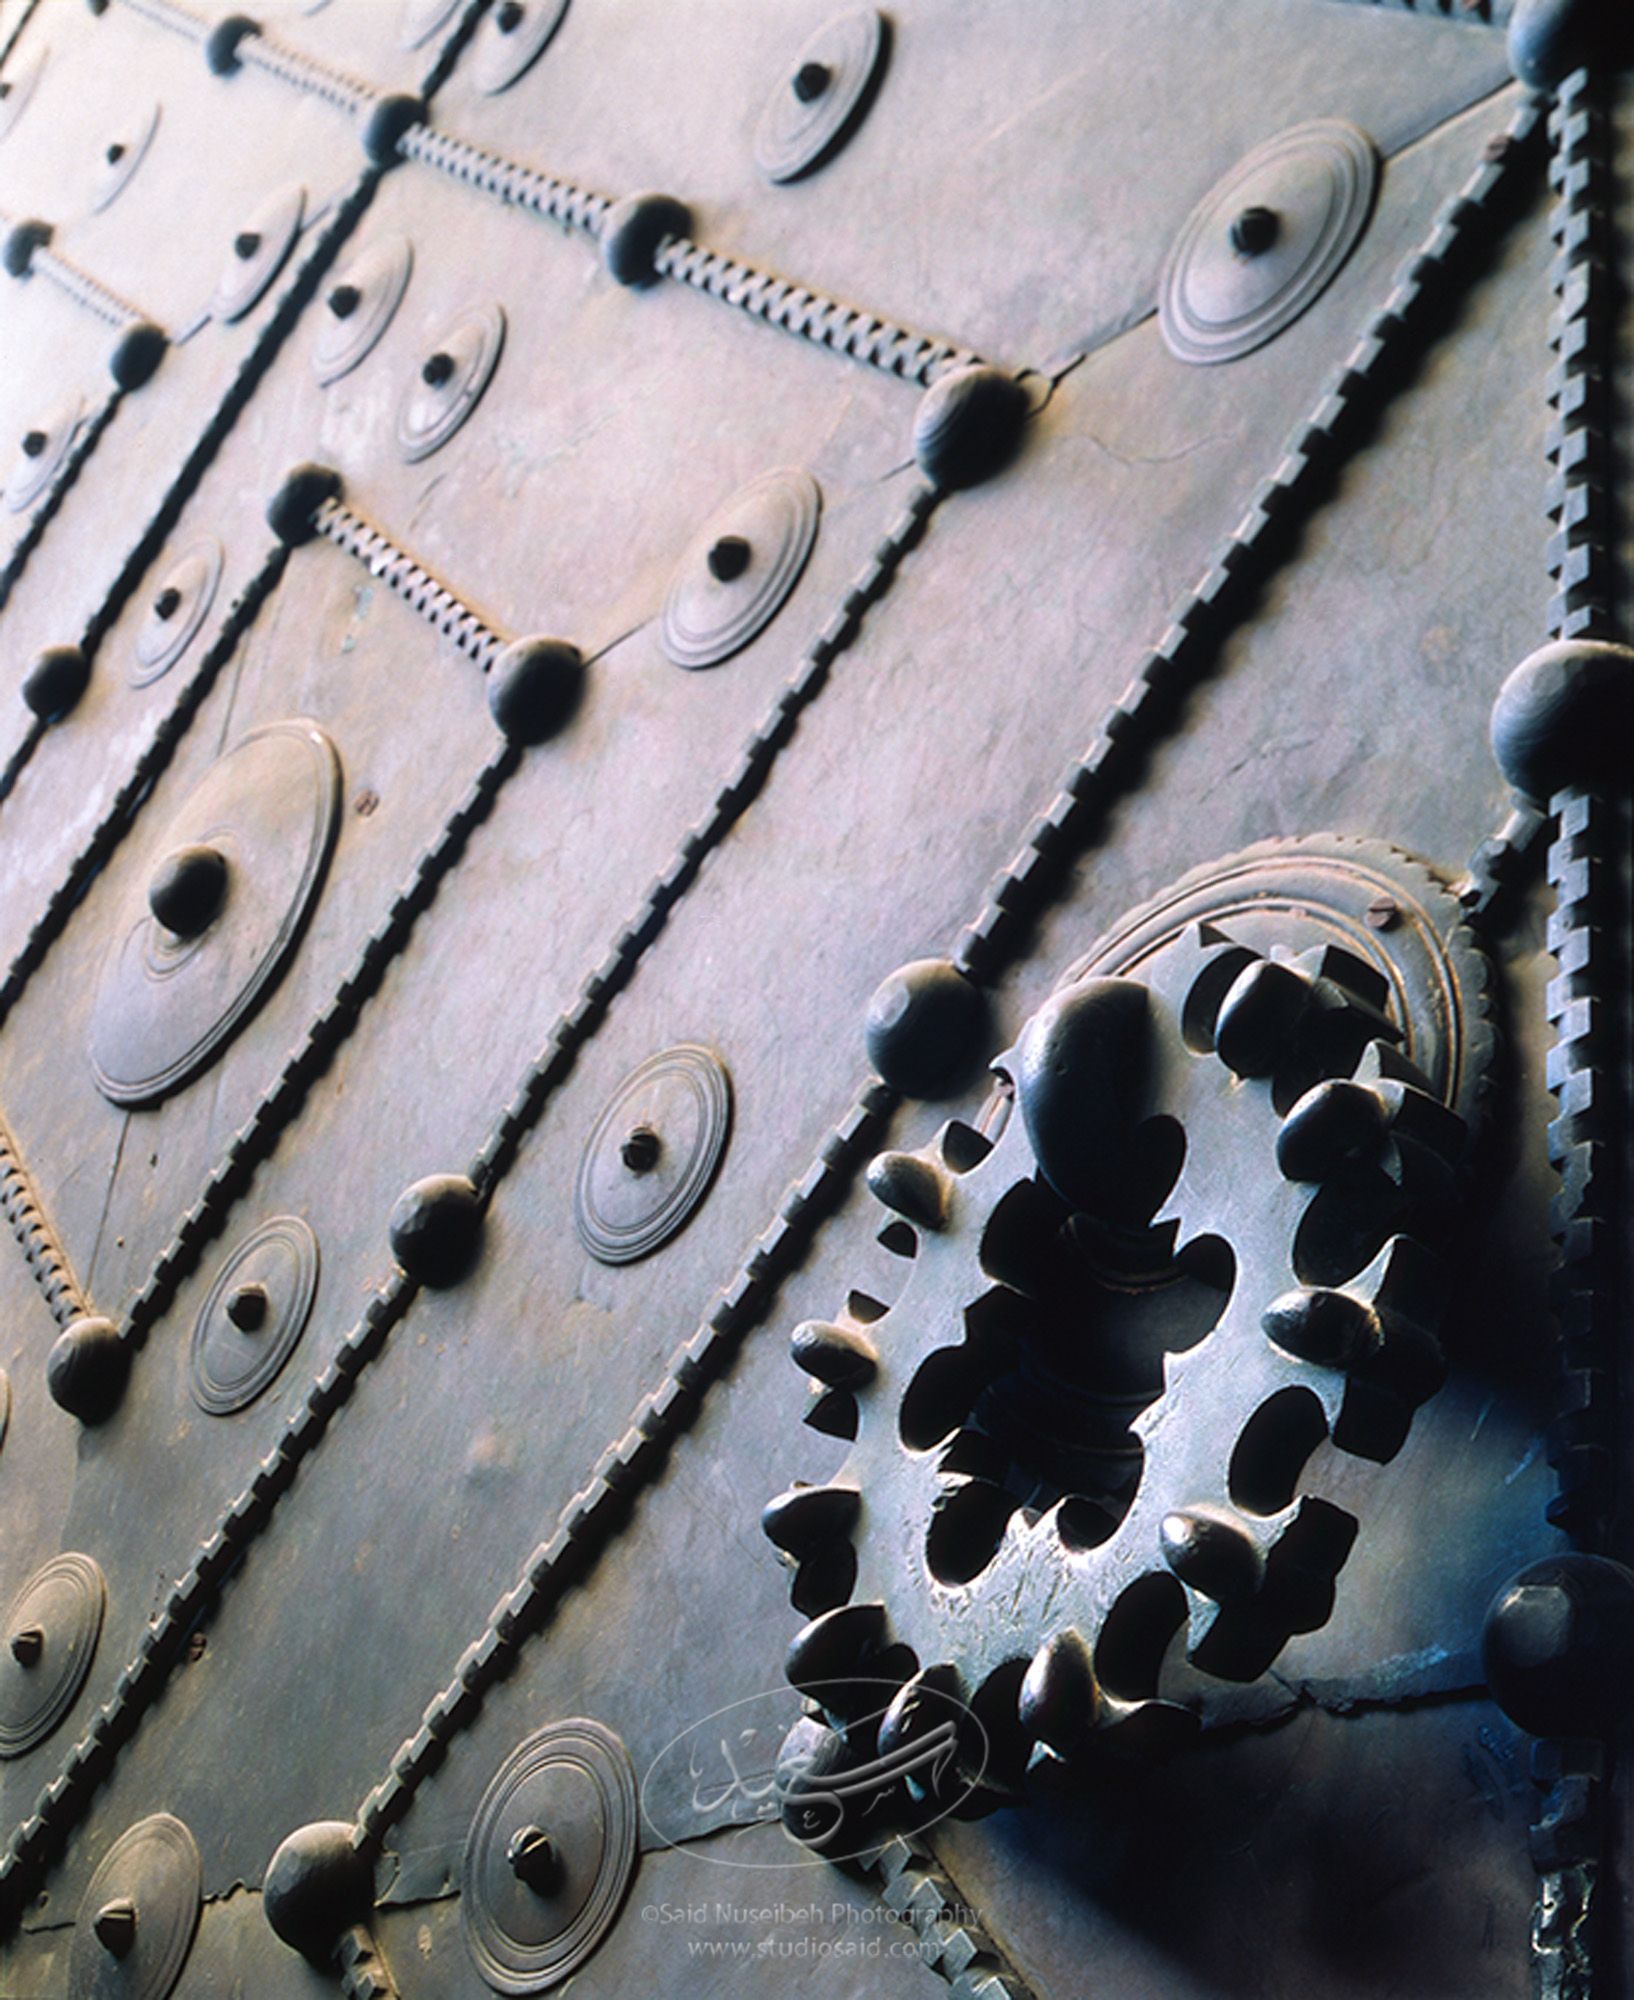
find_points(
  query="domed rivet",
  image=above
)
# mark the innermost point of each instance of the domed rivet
(1548, 39)
(21, 242)
(510, 17)
(1254, 230)
(115, 153)
(836, 1645)
(1264, 1005)
(344, 300)
(1382, 914)
(87, 1368)
(137, 353)
(221, 44)
(1213, 1552)
(1557, 1643)
(317, 1886)
(436, 369)
(388, 118)
(1336, 1124)
(1059, 1696)
(291, 510)
(187, 890)
(534, 686)
(167, 603)
(114, 1926)
(55, 680)
(27, 1645)
(247, 1307)
(806, 1517)
(839, 1356)
(633, 230)
(1326, 1328)
(911, 1186)
(34, 442)
(925, 1027)
(246, 243)
(641, 1149)
(728, 558)
(534, 1860)
(1564, 717)
(811, 79)
(436, 1229)
(968, 425)
(1080, 1067)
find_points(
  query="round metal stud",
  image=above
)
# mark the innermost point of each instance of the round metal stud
(1548, 39)
(137, 352)
(633, 230)
(533, 688)
(256, 1310)
(1231, 283)
(55, 679)
(316, 1885)
(449, 382)
(1563, 717)
(968, 424)
(58, 1615)
(575, 1779)
(187, 890)
(121, 156)
(20, 85)
(1317, 891)
(925, 1027)
(257, 252)
(823, 97)
(625, 1207)
(435, 1229)
(87, 1368)
(178, 607)
(421, 19)
(41, 452)
(1557, 1643)
(137, 1918)
(721, 594)
(513, 36)
(168, 1005)
(359, 305)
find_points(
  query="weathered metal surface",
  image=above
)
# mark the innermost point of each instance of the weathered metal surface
(461, 492)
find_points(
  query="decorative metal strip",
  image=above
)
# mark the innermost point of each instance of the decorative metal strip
(168, 14)
(506, 181)
(417, 587)
(952, 1940)
(1474, 13)
(1581, 507)
(914, 357)
(1500, 864)
(47, 1259)
(302, 72)
(632, 1458)
(86, 291)
(1191, 645)
(895, 350)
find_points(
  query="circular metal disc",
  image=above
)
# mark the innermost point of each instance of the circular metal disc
(1321, 890)
(19, 88)
(64, 1602)
(797, 133)
(161, 641)
(1216, 302)
(32, 473)
(513, 35)
(682, 1098)
(705, 619)
(274, 226)
(232, 1365)
(154, 1866)
(121, 156)
(575, 1781)
(166, 1005)
(420, 20)
(379, 275)
(430, 414)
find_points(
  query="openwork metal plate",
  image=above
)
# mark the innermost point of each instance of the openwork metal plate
(258, 251)
(179, 606)
(167, 1004)
(449, 383)
(256, 1311)
(122, 155)
(574, 1782)
(1267, 240)
(359, 304)
(740, 568)
(652, 1154)
(41, 452)
(513, 35)
(817, 106)
(137, 1918)
(50, 1635)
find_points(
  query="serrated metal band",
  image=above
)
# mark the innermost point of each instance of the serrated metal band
(410, 580)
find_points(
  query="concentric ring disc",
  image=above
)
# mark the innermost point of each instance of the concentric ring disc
(65, 1600)
(683, 1098)
(161, 642)
(30, 476)
(276, 224)
(380, 275)
(796, 134)
(231, 1366)
(430, 414)
(705, 618)
(155, 1866)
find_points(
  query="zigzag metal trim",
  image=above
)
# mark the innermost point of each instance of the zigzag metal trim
(47, 1259)
(418, 588)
